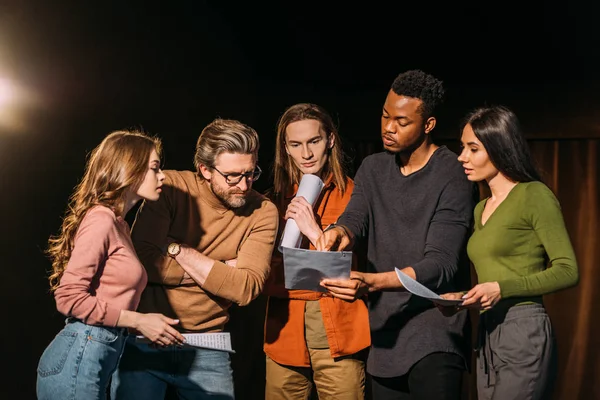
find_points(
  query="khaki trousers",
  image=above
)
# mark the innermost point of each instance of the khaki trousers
(341, 379)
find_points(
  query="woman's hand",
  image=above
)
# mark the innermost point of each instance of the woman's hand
(157, 328)
(483, 296)
(302, 213)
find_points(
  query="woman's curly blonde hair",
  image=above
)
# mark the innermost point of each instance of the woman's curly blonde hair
(118, 163)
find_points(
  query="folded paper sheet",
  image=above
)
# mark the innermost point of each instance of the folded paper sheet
(422, 291)
(213, 340)
(304, 269)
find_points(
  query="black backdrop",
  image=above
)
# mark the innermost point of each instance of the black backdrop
(170, 69)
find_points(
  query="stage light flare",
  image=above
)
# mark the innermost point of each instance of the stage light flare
(6, 92)
(14, 100)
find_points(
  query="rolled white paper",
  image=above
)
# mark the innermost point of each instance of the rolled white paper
(309, 188)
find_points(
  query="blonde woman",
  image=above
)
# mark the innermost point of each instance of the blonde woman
(96, 276)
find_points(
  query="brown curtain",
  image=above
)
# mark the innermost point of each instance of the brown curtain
(571, 168)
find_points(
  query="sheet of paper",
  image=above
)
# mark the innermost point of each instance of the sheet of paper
(309, 188)
(422, 291)
(304, 269)
(213, 341)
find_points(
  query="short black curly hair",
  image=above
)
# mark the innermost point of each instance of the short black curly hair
(420, 85)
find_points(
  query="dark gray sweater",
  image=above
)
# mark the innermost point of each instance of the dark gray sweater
(420, 220)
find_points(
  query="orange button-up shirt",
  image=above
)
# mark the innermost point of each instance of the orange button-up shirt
(346, 324)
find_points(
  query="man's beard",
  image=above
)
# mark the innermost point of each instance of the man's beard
(228, 198)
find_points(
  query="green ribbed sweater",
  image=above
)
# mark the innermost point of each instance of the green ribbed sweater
(512, 246)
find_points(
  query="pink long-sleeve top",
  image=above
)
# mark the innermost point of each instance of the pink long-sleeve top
(103, 275)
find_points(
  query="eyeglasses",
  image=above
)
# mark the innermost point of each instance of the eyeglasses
(235, 178)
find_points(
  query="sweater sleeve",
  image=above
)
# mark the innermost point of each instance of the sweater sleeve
(244, 282)
(149, 234)
(355, 215)
(275, 283)
(95, 240)
(447, 234)
(545, 216)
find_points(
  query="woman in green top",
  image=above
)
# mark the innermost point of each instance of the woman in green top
(521, 251)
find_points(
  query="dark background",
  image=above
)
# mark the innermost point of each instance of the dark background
(170, 68)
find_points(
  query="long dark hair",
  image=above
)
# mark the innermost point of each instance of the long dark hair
(500, 132)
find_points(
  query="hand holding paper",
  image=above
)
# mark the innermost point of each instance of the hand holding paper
(214, 340)
(309, 188)
(348, 289)
(422, 291)
(303, 214)
(304, 269)
(336, 238)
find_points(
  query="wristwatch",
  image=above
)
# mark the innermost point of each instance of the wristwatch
(174, 249)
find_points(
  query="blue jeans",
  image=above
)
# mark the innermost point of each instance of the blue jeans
(79, 362)
(145, 372)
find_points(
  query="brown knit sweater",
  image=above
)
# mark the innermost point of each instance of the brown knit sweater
(188, 212)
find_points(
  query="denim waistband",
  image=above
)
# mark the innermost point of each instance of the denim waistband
(114, 329)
